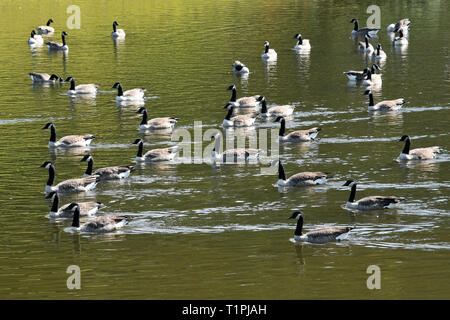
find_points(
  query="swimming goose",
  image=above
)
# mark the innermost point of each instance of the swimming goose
(371, 202)
(86, 208)
(242, 120)
(99, 224)
(35, 39)
(132, 94)
(239, 67)
(363, 31)
(117, 33)
(402, 24)
(107, 173)
(67, 141)
(244, 102)
(366, 46)
(296, 136)
(379, 53)
(300, 179)
(71, 185)
(401, 39)
(165, 154)
(232, 155)
(268, 54)
(302, 44)
(52, 45)
(155, 123)
(44, 77)
(416, 154)
(319, 235)
(360, 75)
(372, 79)
(284, 110)
(46, 29)
(387, 105)
(90, 88)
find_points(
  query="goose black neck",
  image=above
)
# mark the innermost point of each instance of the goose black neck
(52, 134)
(55, 203)
(233, 95)
(298, 229)
(90, 167)
(281, 174)
(356, 25)
(114, 27)
(32, 34)
(378, 52)
(300, 41)
(63, 39)
(267, 49)
(76, 218)
(72, 84)
(371, 103)
(367, 42)
(229, 114)
(282, 128)
(48, 23)
(119, 90)
(369, 75)
(140, 149)
(407, 146)
(144, 117)
(352, 193)
(51, 175)
(263, 106)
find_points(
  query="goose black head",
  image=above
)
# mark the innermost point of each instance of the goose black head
(69, 79)
(137, 141)
(232, 87)
(261, 98)
(379, 48)
(296, 215)
(72, 206)
(50, 21)
(297, 36)
(279, 119)
(86, 158)
(228, 106)
(55, 77)
(64, 33)
(46, 164)
(48, 125)
(367, 92)
(353, 21)
(403, 138)
(367, 36)
(116, 85)
(33, 33)
(50, 195)
(141, 110)
(266, 43)
(375, 66)
(348, 183)
(116, 23)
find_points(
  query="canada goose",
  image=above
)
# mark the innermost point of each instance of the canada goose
(302, 44)
(361, 75)
(52, 45)
(402, 24)
(401, 39)
(366, 46)
(244, 102)
(99, 224)
(371, 202)
(132, 94)
(284, 110)
(232, 155)
(363, 31)
(43, 77)
(35, 39)
(319, 235)
(242, 120)
(268, 54)
(90, 88)
(416, 154)
(46, 29)
(296, 136)
(165, 154)
(68, 141)
(387, 105)
(300, 179)
(372, 79)
(239, 67)
(155, 123)
(379, 53)
(117, 33)
(71, 185)
(107, 173)
(86, 208)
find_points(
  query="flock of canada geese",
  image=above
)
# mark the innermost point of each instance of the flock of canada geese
(368, 77)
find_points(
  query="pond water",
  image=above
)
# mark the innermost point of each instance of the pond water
(204, 231)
